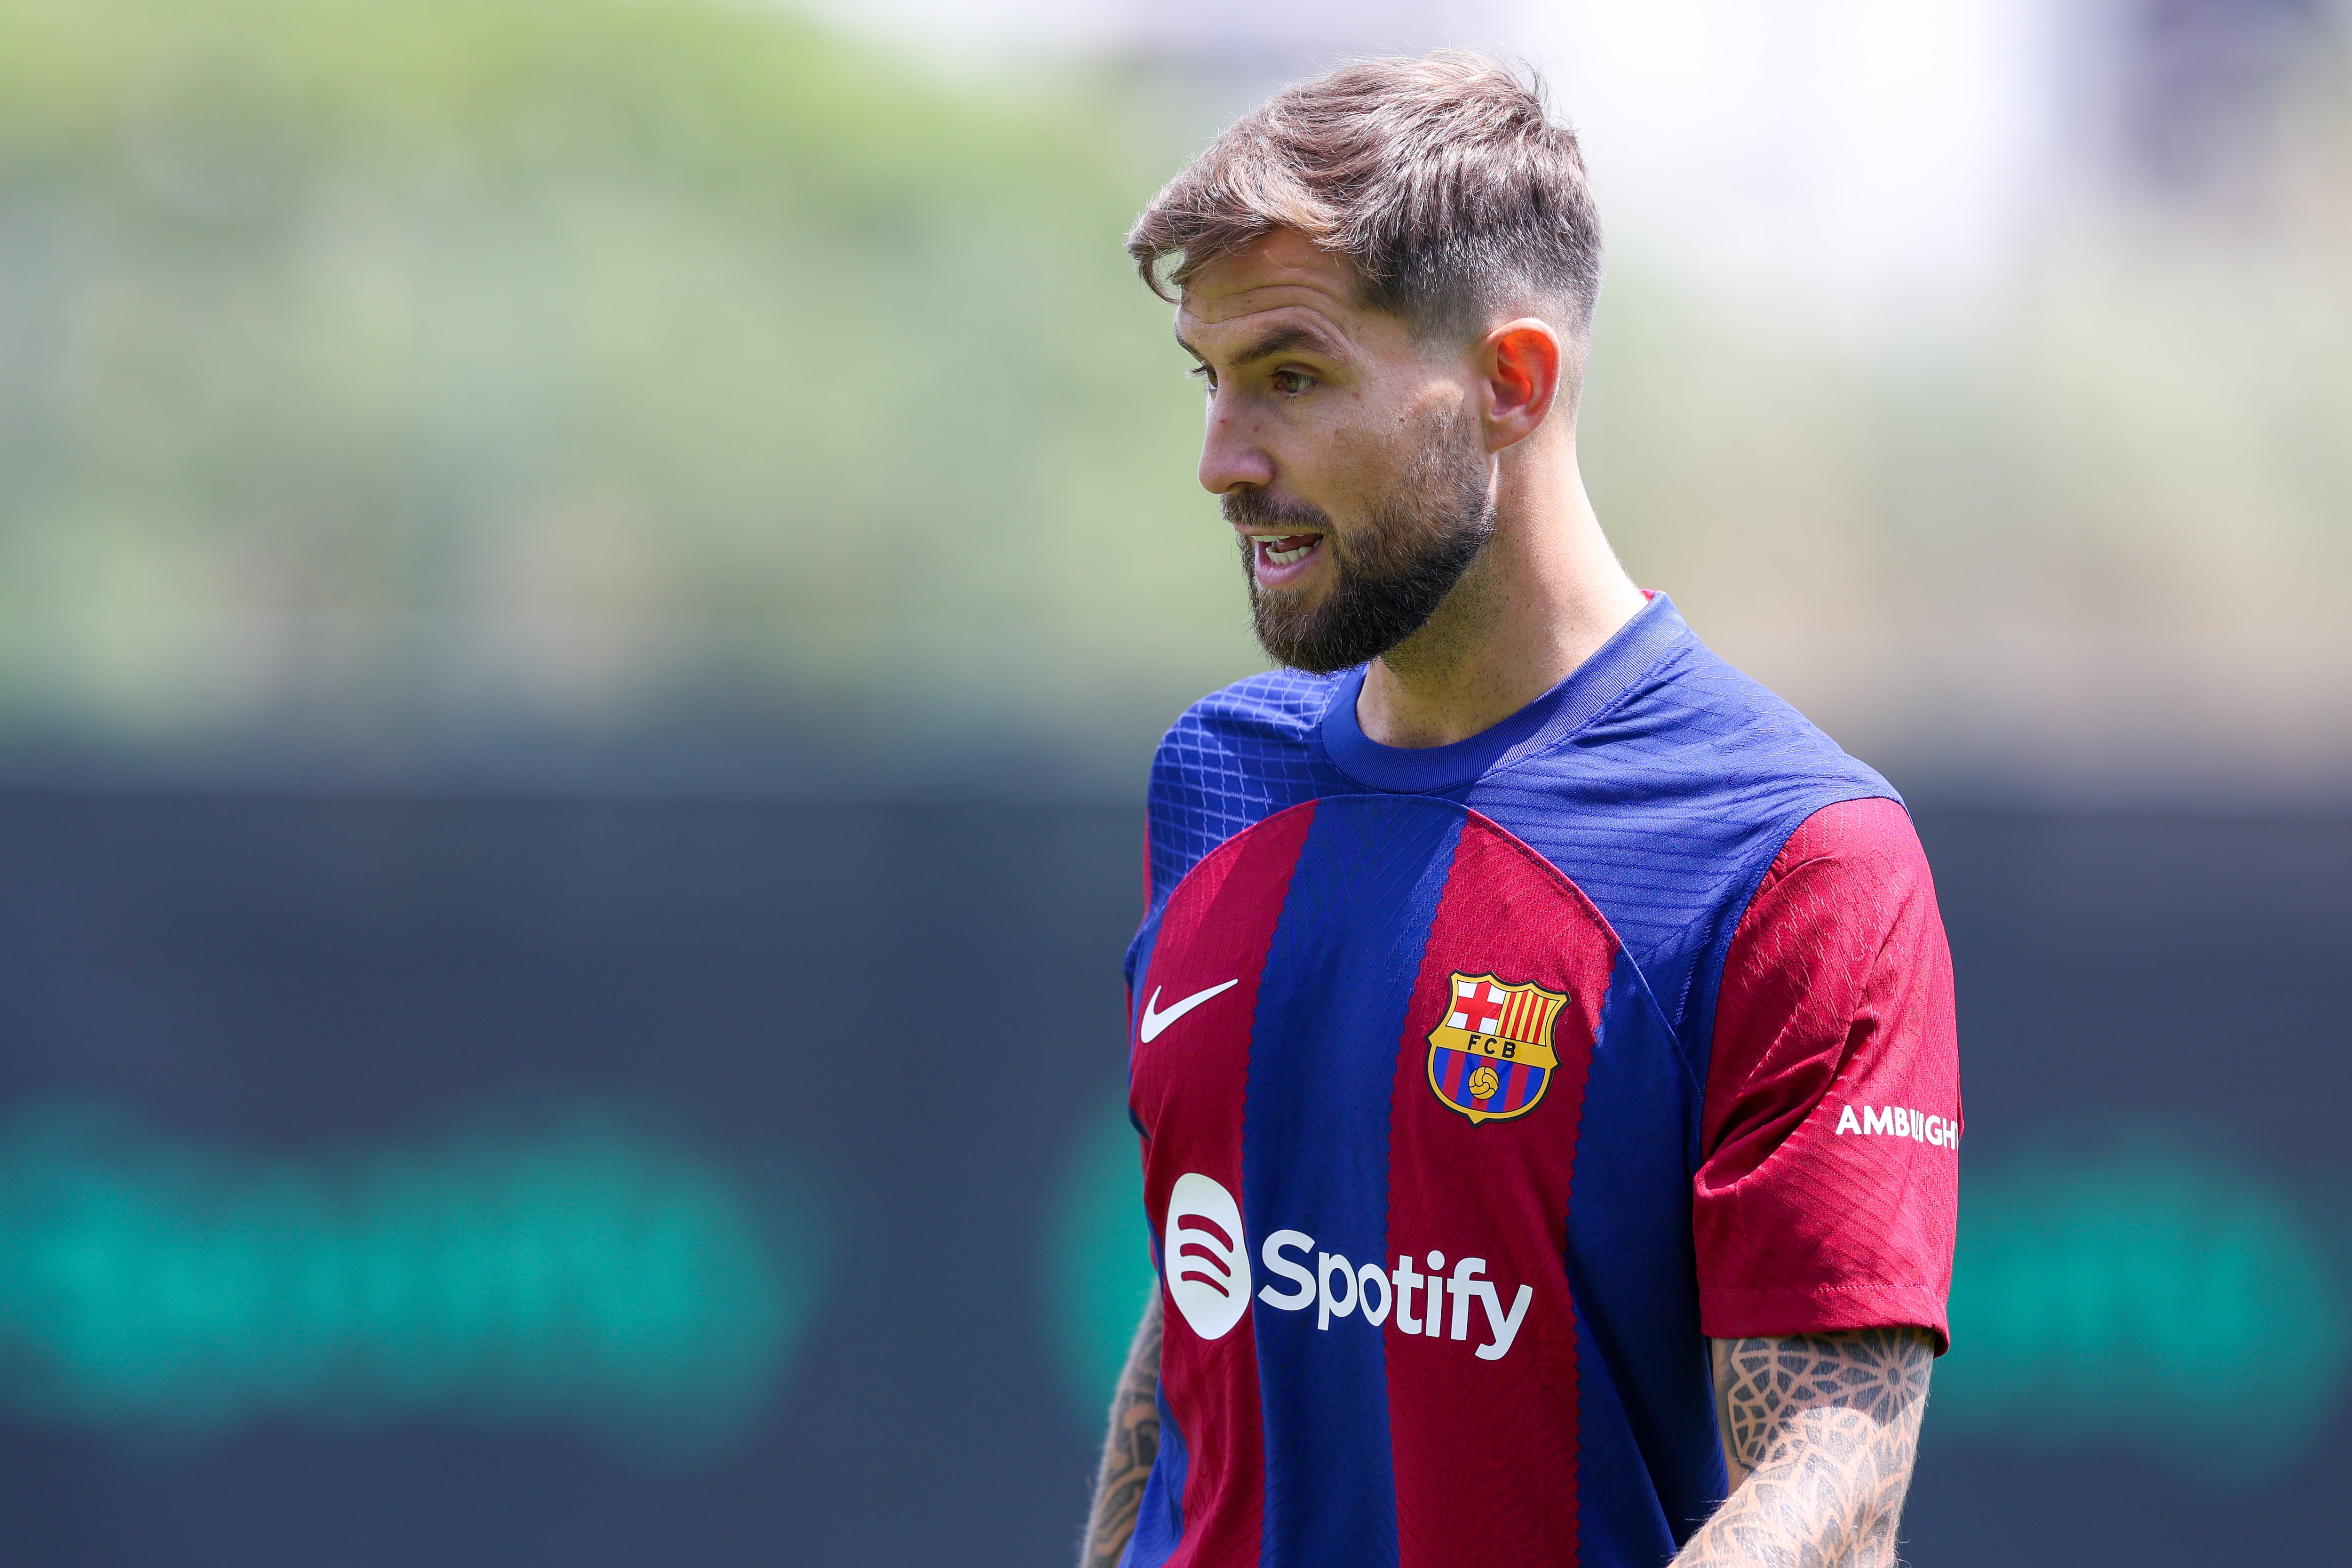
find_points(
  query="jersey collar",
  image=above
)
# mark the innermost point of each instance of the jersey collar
(1541, 724)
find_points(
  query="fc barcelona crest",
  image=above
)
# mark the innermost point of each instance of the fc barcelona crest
(1490, 1056)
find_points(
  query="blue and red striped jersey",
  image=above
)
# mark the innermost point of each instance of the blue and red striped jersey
(1448, 1169)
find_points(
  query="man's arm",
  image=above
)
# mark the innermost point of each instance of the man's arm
(1129, 1450)
(1819, 1433)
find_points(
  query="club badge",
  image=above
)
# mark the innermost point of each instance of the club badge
(1490, 1056)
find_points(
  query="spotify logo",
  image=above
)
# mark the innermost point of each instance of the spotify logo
(1206, 1259)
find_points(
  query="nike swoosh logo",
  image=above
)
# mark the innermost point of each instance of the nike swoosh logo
(1153, 1022)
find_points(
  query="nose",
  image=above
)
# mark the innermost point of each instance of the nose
(1231, 453)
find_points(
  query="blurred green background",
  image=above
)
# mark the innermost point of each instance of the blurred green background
(380, 384)
(383, 378)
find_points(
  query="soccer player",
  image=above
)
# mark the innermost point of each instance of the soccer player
(1542, 1036)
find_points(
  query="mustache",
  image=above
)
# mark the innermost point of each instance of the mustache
(1256, 508)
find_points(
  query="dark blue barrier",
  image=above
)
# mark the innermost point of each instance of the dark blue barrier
(453, 1181)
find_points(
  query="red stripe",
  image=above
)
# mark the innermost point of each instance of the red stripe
(1187, 1089)
(1484, 1451)
(1212, 1227)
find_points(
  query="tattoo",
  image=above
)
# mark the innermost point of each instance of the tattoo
(1819, 1433)
(1130, 1449)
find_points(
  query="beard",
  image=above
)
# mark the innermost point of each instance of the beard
(1392, 572)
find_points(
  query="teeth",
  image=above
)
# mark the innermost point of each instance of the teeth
(1282, 557)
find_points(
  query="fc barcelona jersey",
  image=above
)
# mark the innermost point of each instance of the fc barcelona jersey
(1478, 1084)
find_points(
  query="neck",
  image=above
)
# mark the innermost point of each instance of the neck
(1540, 599)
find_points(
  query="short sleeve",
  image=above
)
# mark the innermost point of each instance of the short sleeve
(1828, 1186)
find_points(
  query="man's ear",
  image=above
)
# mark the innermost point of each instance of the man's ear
(1525, 364)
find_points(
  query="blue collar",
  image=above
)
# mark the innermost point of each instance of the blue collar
(1540, 725)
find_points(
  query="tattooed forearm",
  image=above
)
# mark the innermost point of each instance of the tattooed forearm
(1127, 1452)
(1819, 1434)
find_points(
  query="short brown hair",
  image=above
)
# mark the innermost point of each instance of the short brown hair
(1443, 179)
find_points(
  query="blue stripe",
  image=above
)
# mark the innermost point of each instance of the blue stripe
(1618, 1515)
(1159, 1518)
(1315, 1158)
(1635, 1282)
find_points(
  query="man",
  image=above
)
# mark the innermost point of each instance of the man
(1542, 1036)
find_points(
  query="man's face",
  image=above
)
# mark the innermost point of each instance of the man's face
(1350, 458)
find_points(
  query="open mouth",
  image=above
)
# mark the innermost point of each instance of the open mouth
(1282, 555)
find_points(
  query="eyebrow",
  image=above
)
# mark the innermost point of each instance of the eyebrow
(1281, 340)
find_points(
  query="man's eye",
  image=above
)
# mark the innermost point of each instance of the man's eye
(1291, 381)
(1205, 374)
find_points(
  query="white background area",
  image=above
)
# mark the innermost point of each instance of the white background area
(1841, 156)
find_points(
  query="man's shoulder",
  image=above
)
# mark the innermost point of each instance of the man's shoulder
(1690, 739)
(1237, 756)
(1273, 703)
(1266, 724)
(1669, 803)
(1697, 725)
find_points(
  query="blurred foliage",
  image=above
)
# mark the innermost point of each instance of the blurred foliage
(370, 367)
(2098, 524)
(395, 378)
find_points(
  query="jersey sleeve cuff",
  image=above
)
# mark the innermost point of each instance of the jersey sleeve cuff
(1822, 1310)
